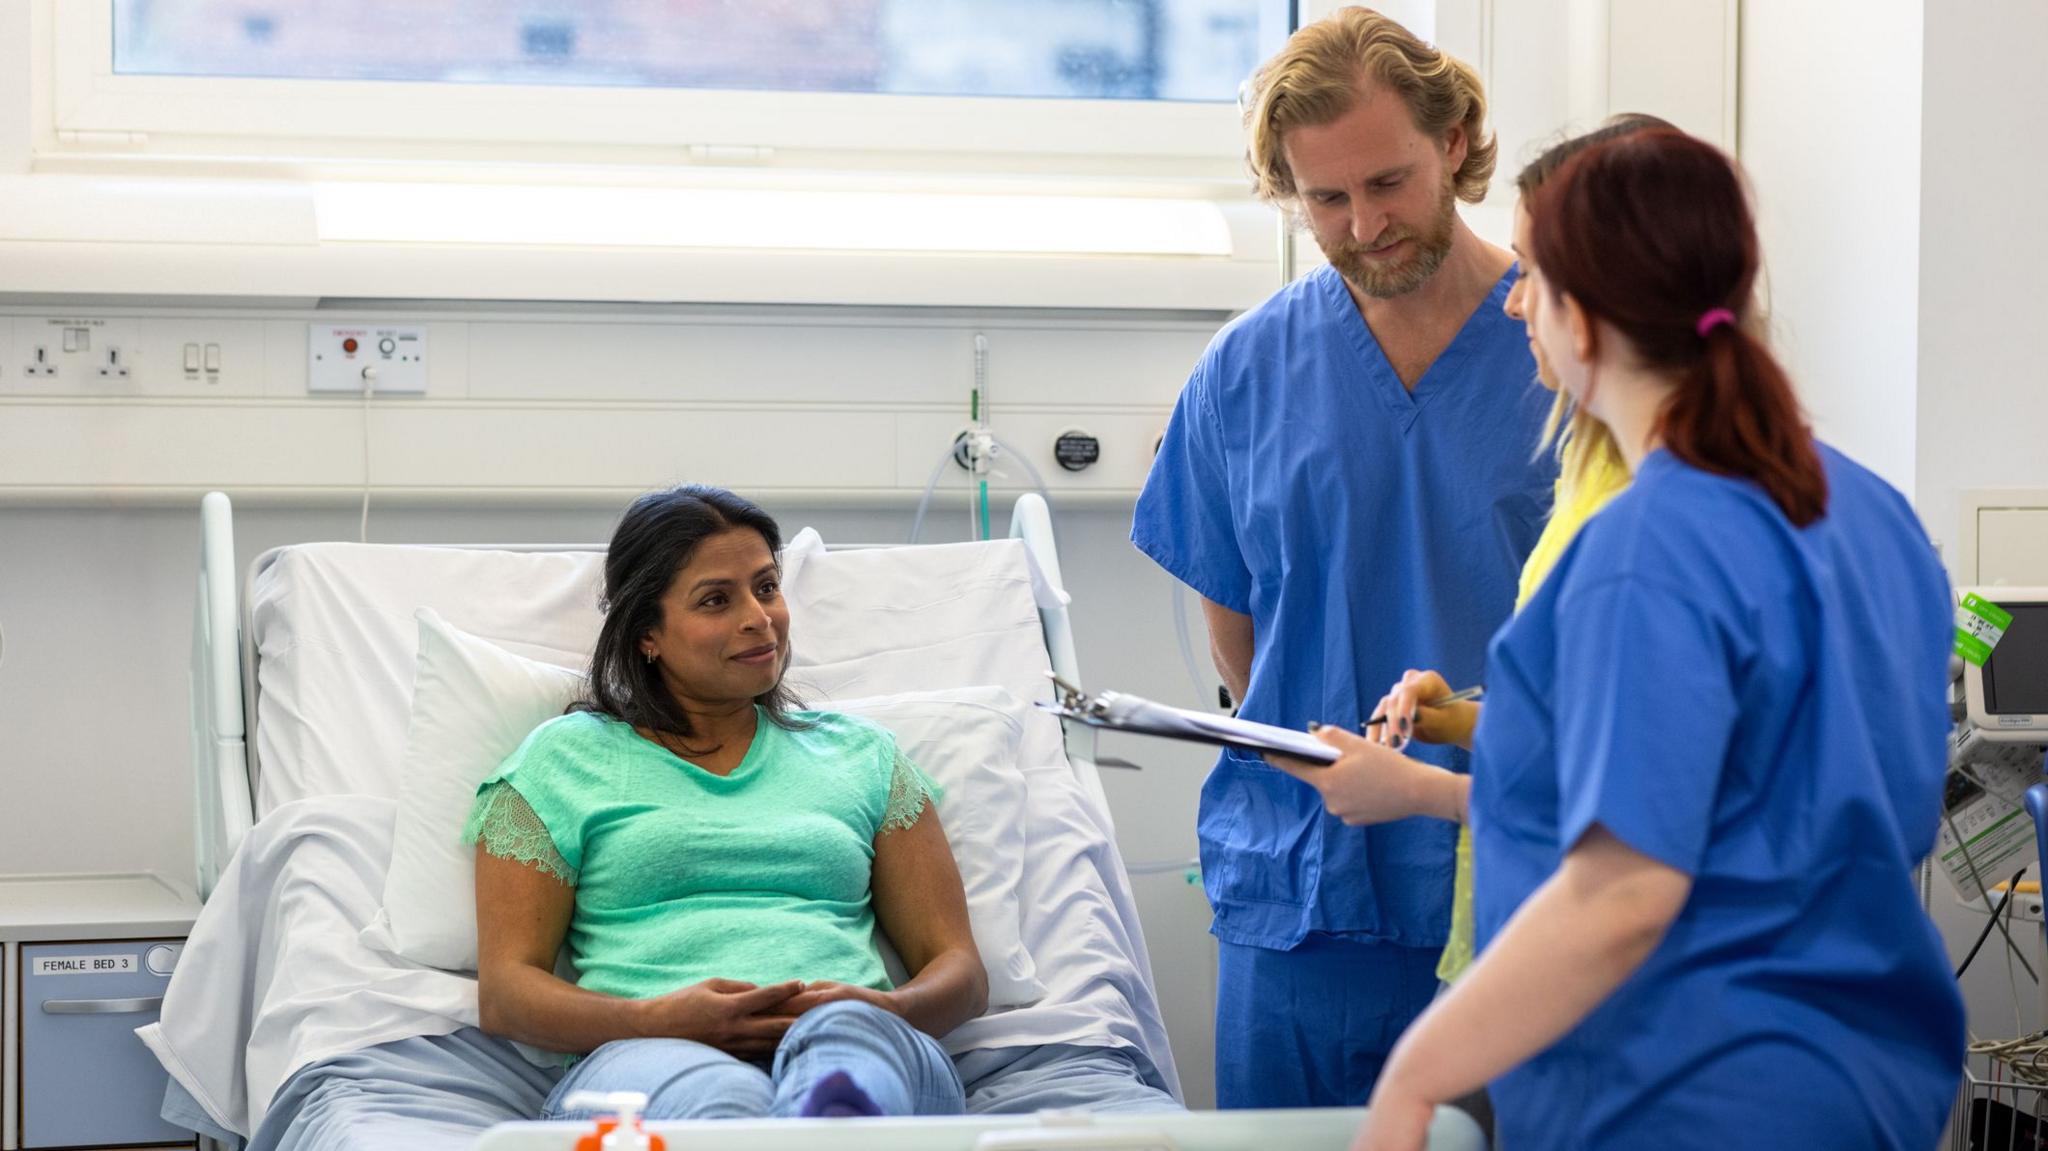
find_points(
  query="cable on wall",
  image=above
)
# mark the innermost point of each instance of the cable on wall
(369, 385)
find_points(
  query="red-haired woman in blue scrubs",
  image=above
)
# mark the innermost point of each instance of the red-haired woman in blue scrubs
(1714, 742)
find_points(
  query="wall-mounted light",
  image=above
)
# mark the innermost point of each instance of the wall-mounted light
(803, 220)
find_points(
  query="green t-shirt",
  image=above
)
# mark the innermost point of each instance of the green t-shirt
(681, 875)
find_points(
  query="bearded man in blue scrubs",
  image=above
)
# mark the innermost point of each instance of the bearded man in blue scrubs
(1351, 484)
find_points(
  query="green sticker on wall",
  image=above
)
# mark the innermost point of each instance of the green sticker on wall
(1980, 624)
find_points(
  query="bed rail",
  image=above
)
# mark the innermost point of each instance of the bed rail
(221, 806)
(1031, 521)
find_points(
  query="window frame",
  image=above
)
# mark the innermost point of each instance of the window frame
(93, 110)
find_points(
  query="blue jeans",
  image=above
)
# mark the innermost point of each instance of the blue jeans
(903, 1070)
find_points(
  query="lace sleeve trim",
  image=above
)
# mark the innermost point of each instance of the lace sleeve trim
(507, 827)
(910, 793)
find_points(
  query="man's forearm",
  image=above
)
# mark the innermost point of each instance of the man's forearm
(1234, 669)
(1230, 647)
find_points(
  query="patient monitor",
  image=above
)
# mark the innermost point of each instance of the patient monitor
(1996, 749)
(2006, 700)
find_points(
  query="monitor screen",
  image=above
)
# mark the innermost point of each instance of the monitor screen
(2016, 676)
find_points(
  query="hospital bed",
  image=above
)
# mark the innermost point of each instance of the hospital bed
(291, 1021)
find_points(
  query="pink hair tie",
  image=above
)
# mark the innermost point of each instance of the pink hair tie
(1713, 318)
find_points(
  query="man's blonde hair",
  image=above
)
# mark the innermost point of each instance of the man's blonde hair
(1327, 66)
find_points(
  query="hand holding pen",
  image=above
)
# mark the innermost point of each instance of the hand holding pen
(1423, 707)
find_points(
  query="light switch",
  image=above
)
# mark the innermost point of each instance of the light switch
(192, 358)
(78, 339)
(213, 357)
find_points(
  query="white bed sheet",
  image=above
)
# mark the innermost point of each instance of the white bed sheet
(274, 977)
(1098, 993)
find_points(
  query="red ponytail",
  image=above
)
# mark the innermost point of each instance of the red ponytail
(1651, 233)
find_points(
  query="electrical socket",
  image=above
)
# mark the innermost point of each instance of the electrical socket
(40, 365)
(2027, 910)
(112, 366)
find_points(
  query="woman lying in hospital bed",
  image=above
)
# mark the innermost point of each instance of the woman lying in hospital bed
(717, 860)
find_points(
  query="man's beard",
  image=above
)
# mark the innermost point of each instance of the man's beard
(1385, 281)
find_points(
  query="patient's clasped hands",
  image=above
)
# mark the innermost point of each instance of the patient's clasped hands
(743, 1019)
(740, 1019)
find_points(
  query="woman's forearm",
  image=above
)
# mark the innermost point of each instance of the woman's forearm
(1576, 940)
(948, 991)
(1450, 797)
(536, 1007)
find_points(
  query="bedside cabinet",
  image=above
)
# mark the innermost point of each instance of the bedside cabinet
(87, 959)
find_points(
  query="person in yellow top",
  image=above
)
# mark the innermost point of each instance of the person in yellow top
(1591, 473)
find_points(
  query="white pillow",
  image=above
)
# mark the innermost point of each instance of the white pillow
(966, 739)
(473, 703)
(337, 648)
(878, 621)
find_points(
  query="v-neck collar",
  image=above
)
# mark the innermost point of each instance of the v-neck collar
(744, 767)
(1386, 384)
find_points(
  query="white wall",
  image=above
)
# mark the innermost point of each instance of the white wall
(1830, 133)
(1983, 396)
(15, 96)
(519, 400)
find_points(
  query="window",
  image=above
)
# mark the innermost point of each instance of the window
(1055, 49)
(1104, 89)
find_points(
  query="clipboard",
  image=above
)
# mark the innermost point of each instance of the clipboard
(1117, 711)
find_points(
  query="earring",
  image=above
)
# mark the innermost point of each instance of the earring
(650, 657)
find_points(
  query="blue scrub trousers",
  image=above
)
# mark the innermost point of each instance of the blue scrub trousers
(1312, 1027)
(903, 1070)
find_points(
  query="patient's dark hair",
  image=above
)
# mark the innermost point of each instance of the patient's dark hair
(654, 540)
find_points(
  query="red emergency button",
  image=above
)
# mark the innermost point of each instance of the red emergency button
(349, 345)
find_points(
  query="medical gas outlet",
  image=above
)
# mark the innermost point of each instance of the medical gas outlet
(355, 358)
(1076, 450)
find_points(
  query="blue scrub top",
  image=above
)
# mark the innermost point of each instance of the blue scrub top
(1366, 529)
(1764, 709)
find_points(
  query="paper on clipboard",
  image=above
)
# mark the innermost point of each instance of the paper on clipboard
(1116, 711)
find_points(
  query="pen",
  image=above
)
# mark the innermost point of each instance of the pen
(1454, 697)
